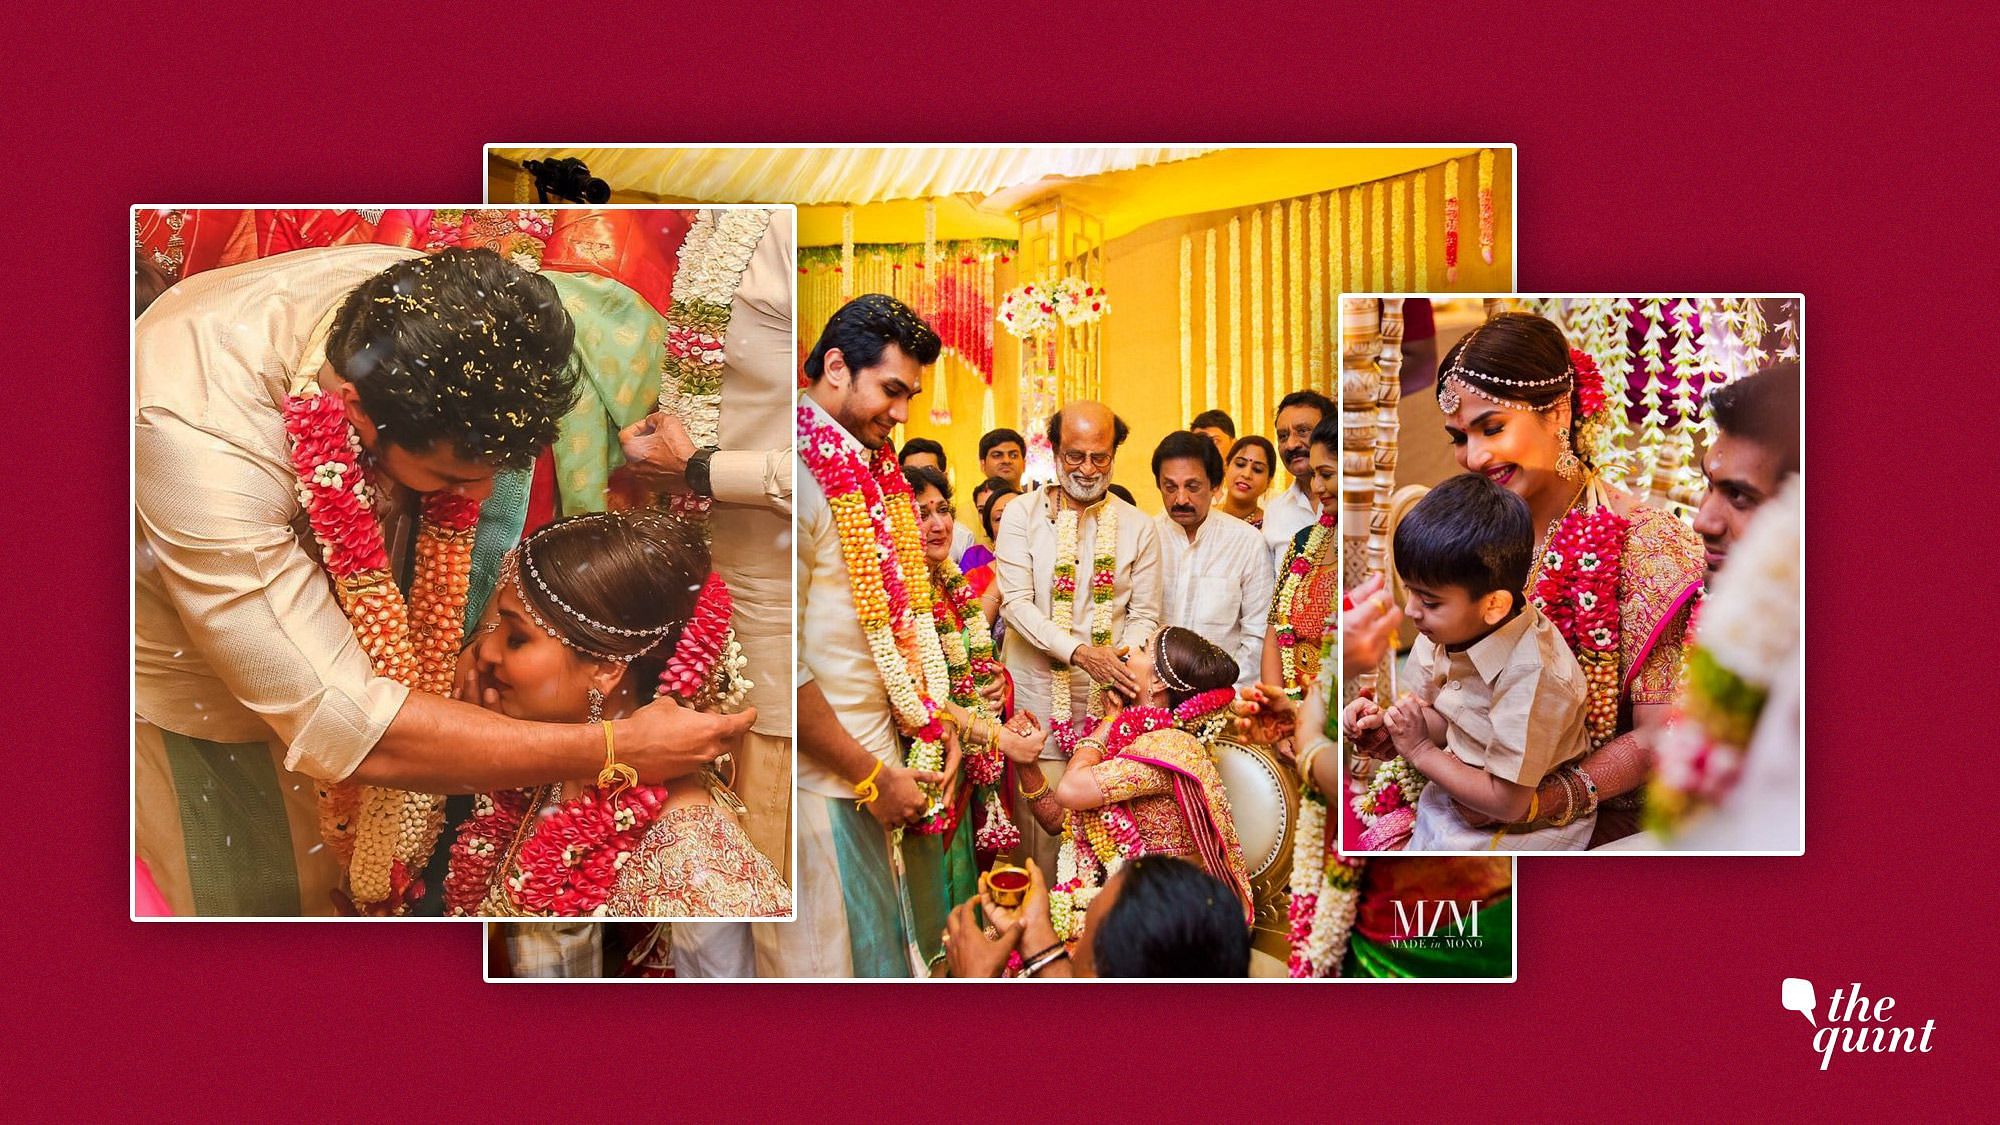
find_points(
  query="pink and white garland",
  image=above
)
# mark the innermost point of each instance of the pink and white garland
(883, 597)
(712, 260)
(1062, 611)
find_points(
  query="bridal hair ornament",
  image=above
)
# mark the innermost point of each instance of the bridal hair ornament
(1165, 671)
(1457, 379)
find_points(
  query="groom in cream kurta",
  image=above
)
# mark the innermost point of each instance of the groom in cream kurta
(1025, 547)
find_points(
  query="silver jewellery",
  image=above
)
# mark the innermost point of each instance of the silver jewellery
(519, 558)
(1458, 378)
(1166, 673)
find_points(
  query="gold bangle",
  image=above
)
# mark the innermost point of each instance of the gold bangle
(1310, 756)
(1037, 794)
(866, 790)
(616, 776)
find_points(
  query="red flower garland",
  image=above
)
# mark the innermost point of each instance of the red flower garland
(1589, 383)
(1578, 589)
(700, 644)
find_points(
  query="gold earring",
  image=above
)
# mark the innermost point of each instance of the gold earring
(1568, 466)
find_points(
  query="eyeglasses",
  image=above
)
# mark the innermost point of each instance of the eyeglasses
(944, 511)
(1074, 459)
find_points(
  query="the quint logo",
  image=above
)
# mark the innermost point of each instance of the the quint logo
(1854, 1024)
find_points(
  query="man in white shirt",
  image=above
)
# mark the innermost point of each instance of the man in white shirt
(1084, 437)
(1291, 510)
(1217, 570)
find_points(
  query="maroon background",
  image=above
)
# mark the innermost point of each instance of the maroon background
(1666, 150)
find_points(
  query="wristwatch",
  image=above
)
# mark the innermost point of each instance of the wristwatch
(697, 473)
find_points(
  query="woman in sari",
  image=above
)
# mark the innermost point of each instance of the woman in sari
(592, 616)
(1145, 781)
(979, 700)
(1308, 578)
(1616, 575)
(1246, 478)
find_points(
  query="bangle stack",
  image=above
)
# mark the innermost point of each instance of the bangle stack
(1308, 757)
(1102, 749)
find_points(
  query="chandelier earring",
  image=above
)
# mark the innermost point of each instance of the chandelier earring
(1568, 465)
(596, 706)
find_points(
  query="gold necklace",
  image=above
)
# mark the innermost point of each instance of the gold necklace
(1542, 545)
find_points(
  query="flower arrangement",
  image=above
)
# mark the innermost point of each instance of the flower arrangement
(1325, 893)
(384, 836)
(1037, 307)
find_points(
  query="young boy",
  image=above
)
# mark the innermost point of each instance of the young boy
(1499, 699)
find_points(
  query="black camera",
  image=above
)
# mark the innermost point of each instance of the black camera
(567, 179)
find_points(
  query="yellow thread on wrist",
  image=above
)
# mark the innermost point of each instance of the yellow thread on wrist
(865, 790)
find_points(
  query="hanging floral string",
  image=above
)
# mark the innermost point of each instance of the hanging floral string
(1451, 222)
(1486, 205)
(1420, 232)
(1187, 325)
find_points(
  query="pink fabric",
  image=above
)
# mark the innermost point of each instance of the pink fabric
(1192, 798)
(147, 901)
(1680, 602)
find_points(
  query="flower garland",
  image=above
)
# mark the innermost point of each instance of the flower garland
(967, 641)
(1097, 842)
(1387, 807)
(1298, 570)
(1325, 893)
(1062, 612)
(1450, 221)
(385, 836)
(885, 602)
(1576, 585)
(1486, 205)
(711, 263)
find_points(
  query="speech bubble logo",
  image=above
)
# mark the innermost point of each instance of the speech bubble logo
(1797, 995)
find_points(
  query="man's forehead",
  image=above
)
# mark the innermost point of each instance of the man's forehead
(1292, 416)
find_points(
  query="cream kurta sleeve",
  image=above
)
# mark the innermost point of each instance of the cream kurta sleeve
(1147, 606)
(217, 521)
(1016, 574)
(759, 349)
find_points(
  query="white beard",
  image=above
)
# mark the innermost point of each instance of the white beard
(1082, 495)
